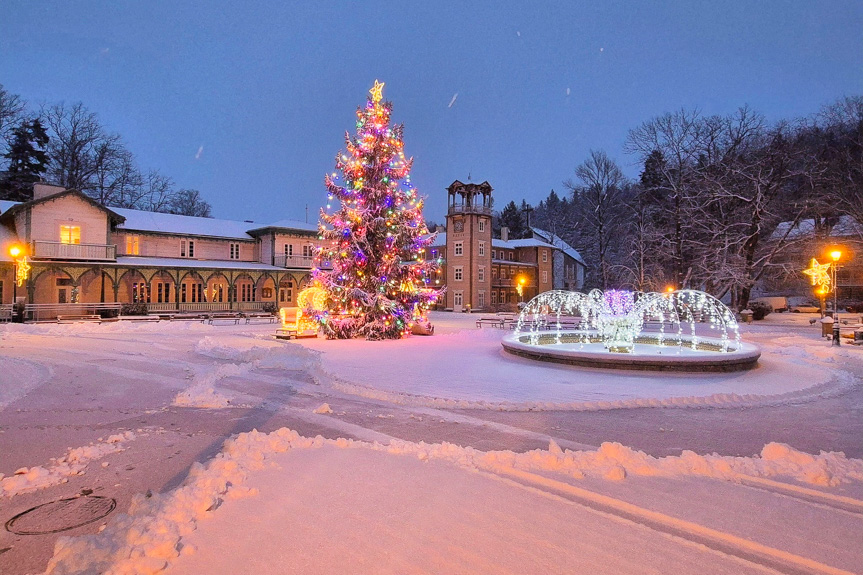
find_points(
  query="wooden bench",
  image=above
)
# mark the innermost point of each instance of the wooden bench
(492, 321)
(262, 315)
(139, 318)
(78, 318)
(293, 332)
(230, 316)
(189, 317)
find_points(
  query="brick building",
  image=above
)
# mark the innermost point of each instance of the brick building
(486, 273)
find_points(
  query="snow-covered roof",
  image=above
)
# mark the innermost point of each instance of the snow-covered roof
(286, 224)
(845, 226)
(439, 241)
(137, 261)
(139, 220)
(522, 243)
(558, 242)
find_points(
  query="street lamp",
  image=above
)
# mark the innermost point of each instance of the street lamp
(519, 287)
(835, 255)
(21, 270)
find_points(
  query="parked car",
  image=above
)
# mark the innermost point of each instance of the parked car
(805, 308)
(778, 303)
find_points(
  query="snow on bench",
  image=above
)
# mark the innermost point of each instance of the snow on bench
(78, 318)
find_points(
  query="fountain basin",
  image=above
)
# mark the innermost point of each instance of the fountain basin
(586, 349)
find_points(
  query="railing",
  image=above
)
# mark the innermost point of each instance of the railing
(207, 306)
(465, 209)
(304, 262)
(50, 311)
(61, 251)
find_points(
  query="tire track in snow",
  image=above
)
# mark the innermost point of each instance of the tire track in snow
(720, 541)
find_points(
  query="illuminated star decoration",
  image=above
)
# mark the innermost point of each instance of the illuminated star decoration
(23, 271)
(377, 91)
(818, 274)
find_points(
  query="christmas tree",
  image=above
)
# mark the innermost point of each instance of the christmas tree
(380, 282)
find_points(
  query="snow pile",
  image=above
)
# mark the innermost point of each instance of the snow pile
(323, 408)
(202, 392)
(73, 463)
(245, 356)
(146, 539)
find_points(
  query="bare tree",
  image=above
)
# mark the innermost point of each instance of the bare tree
(75, 136)
(156, 192)
(675, 141)
(599, 205)
(190, 203)
(11, 114)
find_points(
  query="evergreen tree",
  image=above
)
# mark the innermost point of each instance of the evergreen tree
(376, 241)
(511, 218)
(27, 161)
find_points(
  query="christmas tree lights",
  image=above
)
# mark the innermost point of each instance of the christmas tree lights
(380, 281)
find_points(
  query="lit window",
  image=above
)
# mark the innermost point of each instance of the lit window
(458, 273)
(458, 249)
(70, 234)
(132, 244)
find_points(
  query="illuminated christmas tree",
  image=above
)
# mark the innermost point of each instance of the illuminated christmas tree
(380, 282)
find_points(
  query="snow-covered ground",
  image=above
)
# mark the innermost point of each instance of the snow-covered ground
(439, 454)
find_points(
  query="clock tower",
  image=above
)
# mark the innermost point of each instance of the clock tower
(468, 246)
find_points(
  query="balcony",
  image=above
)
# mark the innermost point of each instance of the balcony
(466, 209)
(40, 249)
(298, 262)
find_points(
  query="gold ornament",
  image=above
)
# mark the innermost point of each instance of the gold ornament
(23, 271)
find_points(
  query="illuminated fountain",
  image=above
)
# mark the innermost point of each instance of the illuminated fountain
(684, 330)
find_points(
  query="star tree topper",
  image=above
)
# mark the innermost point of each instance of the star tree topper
(818, 273)
(377, 91)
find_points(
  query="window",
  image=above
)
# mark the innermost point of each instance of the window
(481, 248)
(480, 273)
(286, 292)
(481, 226)
(458, 273)
(308, 250)
(512, 256)
(182, 248)
(235, 251)
(140, 293)
(481, 298)
(458, 249)
(190, 244)
(493, 273)
(163, 292)
(503, 273)
(267, 293)
(458, 298)
(502, 296)
(545, 276)
(70, 234)
(289, 250)
(191, 249)
(544, 256)
(183, 290)
(493, 297)
(132, 245)
(1, 290)
(493, 254)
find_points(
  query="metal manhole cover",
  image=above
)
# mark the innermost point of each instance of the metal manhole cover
(61, 515)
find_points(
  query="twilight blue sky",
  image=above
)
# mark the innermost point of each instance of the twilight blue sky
(267, 89)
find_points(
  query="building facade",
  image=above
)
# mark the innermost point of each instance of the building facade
(483, 273)
(83, 253)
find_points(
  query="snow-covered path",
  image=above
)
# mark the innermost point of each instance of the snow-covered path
(123, 409)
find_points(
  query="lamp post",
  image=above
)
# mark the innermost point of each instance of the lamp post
(15, 251)
(835, 255)
(519, 287)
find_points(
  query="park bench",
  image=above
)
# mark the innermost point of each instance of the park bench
(5, 313)
(78, 318)
(139, 318)
(292, 332)
(226, 317)
(657, 326)
(259, 315)
(491, 321)
(201, 317)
